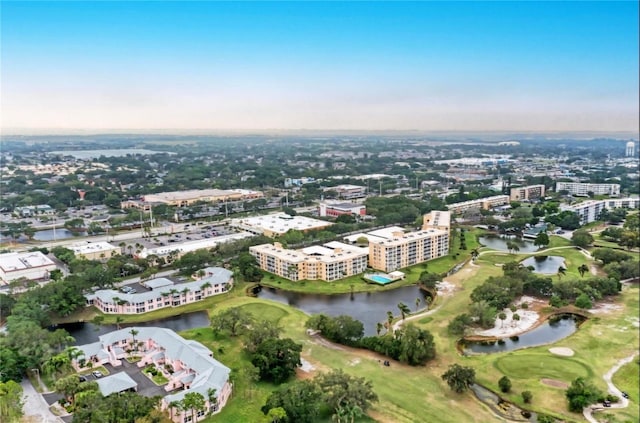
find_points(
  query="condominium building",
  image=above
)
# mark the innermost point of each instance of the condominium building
(406, 249)
(162, 293)
(32, 266)
(188, 366)
(583, 189)
(589, 211)
(437, 219)
(329, 262)
(530, 192)
(481, 203)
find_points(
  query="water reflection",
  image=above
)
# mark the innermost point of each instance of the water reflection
(544, 264)
(368, 307)
(499, 243)
(86, 332)
(552, 330)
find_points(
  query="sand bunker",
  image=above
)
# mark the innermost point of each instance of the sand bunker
(509, 326)
(555, 383)
(563, 351)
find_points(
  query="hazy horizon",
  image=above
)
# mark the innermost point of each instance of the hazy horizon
(243, 67)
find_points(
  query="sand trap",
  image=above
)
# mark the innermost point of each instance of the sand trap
(563, 351)
(445, 288)
(306, 366)
(555, 383)
(512, 327)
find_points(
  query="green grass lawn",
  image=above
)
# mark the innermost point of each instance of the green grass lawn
(521, 365)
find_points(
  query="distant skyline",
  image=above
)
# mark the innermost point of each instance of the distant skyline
(365, 66)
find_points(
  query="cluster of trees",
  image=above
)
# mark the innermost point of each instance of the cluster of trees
(565, 219)
(275, 359)
(91, 406)
(408, 344)
(582, 394)
(10, 401)
(339, 394)
(617, 264)
(627, 236)
(498, 292)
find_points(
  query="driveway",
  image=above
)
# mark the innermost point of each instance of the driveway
(35, 407)
(146, 386)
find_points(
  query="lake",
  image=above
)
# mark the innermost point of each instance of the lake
(368, 307)
(48, 235)
(499, 243)
(549, 332)
(548, 265)
(86, 332)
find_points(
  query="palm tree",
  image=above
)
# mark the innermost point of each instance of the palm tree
(119, 319)
(516, 249)
(582, 269)
(389, 321)
(502, 316)
(516, 317)
(561, 272)
(379, 327)
(130, 248)
(404, 310)
(133, 333)
(213, 399)
(418, 301)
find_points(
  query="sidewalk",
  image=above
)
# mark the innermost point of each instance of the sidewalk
(35, 407)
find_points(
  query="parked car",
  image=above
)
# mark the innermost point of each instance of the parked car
(624, 394)
(82, 379)
(97, 374)
(606, 403)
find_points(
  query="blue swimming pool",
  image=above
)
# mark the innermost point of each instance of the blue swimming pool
(379, 279)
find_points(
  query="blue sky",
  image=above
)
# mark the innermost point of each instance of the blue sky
(328, 65)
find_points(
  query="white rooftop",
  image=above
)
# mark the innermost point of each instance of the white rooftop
(386, 233)
(91, 247)
(188, 246)
(281, 222)
(11, 262)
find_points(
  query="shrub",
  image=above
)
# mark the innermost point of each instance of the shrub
(583, 301)
(505, 384)
(524, 306)
(527, 396)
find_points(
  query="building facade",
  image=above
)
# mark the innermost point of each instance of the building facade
(406, 249)
(33, 266)
(347, 191)
(337, 209)
(278, 224)
(481, 203)
(583, 189)
(530, 192)
(589, 211)
(163, 293)
(94, 250)
(330, 262)
(188, 366)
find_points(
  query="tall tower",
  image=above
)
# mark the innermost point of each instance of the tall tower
(630, 149)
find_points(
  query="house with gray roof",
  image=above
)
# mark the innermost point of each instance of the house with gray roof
(163, 293)
(188, 365)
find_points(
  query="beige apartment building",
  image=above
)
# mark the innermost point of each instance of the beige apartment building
(329, 262)
(481, 203)
(397, 249)
(530, 192)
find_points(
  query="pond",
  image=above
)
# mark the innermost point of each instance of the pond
(544, 264)
(368, 307)
(85, 332)
(499, 243)
(48, 235)
(554, 329)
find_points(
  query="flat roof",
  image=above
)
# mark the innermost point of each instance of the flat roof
(281, 222)
(91, 247)
(187, 246)
(197, 193)
(385, 233)
(115, 383)
(13, 262)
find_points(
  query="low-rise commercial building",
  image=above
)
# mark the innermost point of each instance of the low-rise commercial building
(94, 250)
(584, 189)
(31, 211)
(332, 261)
(33, 266)
(188, 366)
(163, 293)
(335, 209)
(186, 198)
(530, 192)
(481, 203)
(178, 249)
(278, 224)
(347, 191)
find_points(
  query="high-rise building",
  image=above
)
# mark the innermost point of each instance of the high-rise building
(631, 147)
